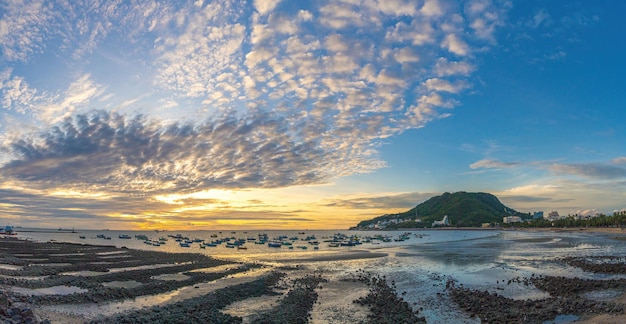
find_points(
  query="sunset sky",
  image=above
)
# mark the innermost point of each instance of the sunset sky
(292, 114)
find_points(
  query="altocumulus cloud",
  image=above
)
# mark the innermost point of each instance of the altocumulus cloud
(291, 93)
(110, 151)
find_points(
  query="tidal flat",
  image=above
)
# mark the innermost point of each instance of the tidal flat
(449, 276)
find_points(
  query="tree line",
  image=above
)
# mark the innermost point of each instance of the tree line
(618, 219)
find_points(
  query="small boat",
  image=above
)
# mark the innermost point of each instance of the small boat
(241, 247)
(124, 236)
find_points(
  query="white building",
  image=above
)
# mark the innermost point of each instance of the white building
(511, 219)
(443, 222)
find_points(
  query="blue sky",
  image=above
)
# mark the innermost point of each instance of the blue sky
(291, 114)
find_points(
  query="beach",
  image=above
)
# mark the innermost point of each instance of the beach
(537, 276)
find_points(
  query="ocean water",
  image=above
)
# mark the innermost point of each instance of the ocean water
(419, 266)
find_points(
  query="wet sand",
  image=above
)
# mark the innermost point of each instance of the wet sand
(76, 283)
(104, 284)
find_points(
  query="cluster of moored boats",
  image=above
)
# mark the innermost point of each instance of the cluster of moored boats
(289, 242)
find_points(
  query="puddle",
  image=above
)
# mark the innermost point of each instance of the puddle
(24, 278)
(603, 295)
(84, 273)
(50, 264)
(91, 311)
(115, 256)
(147, 267)
(216, 269)
(67, 254)
(335, 303)
(87, 273)
(111, 252)
(171, 277)
(10, 267)
(56, 290)
(122, 284)
(246, 309)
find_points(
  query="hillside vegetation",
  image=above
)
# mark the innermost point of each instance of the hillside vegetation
(464, 209)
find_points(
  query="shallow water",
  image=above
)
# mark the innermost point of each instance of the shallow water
(56, 290)
(92, 311)
(419, 267)
(10, 267)
(129, 284)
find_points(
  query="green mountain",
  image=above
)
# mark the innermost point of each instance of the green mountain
(464, 209)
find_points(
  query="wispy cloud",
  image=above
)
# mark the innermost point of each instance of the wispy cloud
(589, 170)
(492, 164)
(389, 202)
(619, 160)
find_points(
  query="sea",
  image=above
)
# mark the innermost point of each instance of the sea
(417, 262)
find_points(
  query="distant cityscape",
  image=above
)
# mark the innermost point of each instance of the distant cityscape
(551, 216)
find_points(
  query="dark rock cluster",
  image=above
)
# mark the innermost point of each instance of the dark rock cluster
(15, 311)
(295, 307)
(385, 305)
(566, 296)
(493, 308)
(598, 264)
(203, 309)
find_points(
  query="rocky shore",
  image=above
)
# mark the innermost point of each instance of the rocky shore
(54, 283)
(28, 267)
(567, 296)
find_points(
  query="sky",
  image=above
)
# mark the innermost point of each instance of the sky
(284, 114)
